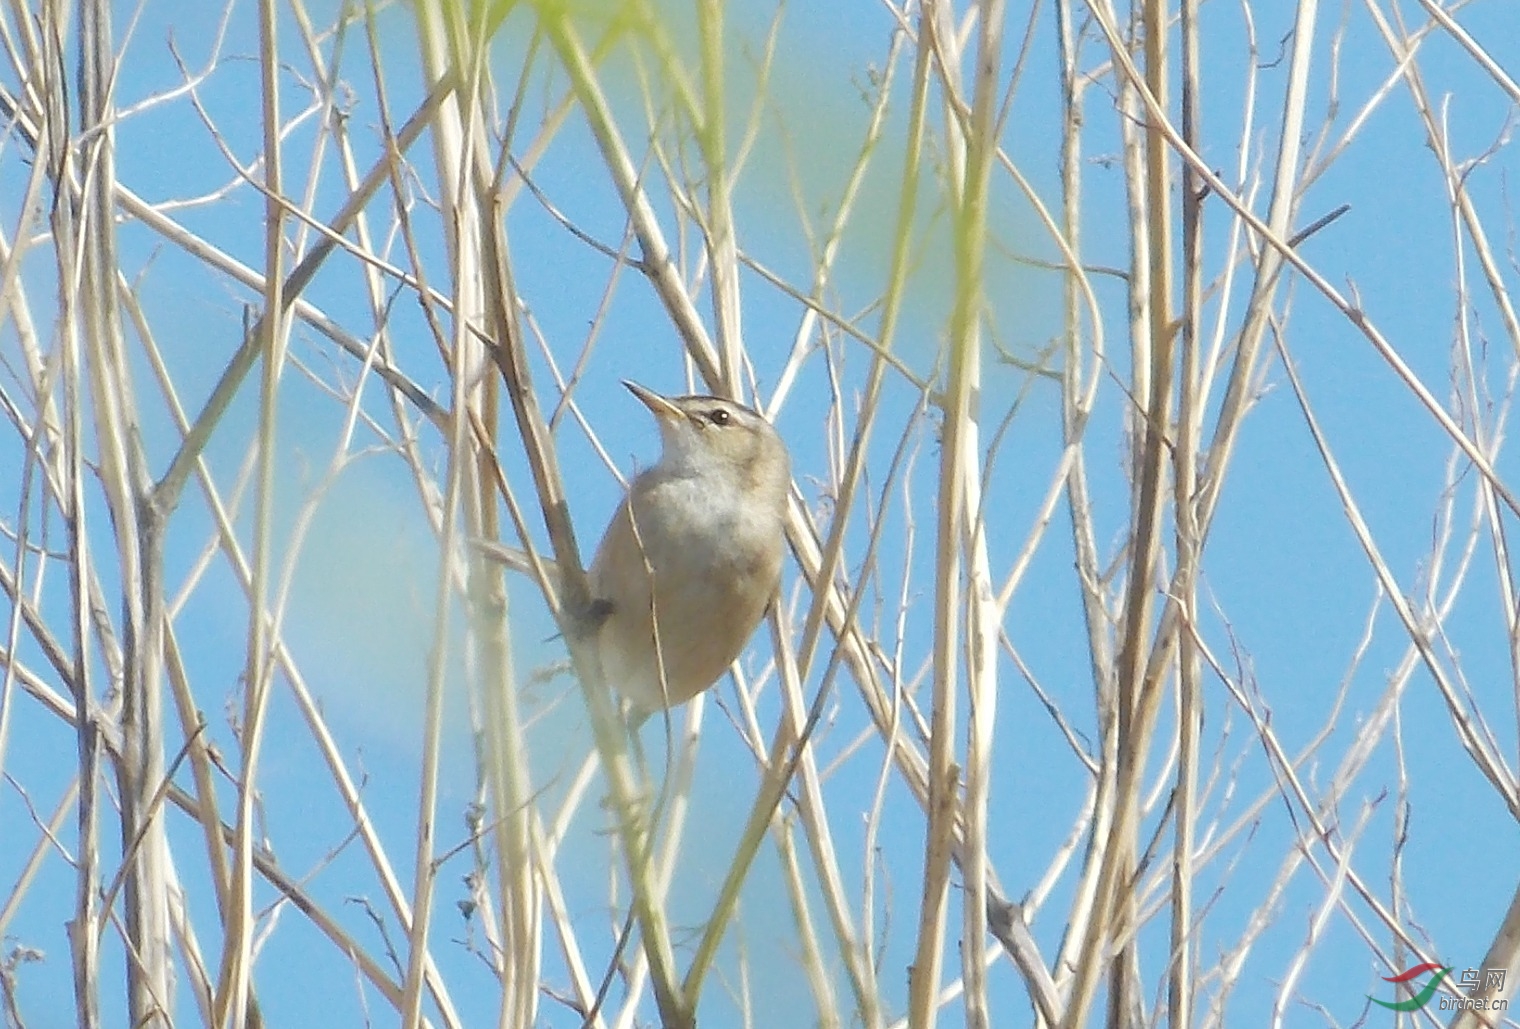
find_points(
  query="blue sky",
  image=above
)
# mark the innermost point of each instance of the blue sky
(1290, 588)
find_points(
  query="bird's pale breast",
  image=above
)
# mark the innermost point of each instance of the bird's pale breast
(714, 564)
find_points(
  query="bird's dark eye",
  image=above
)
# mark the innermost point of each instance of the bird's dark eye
(718, 416)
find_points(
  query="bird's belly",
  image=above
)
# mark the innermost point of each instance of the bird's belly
(710, 589)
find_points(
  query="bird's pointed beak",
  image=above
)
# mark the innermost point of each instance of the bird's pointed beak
(662, 409)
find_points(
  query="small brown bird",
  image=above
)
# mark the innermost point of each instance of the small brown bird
(692, 556)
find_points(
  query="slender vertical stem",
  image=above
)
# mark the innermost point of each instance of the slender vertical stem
(1114, 911)
(234, 983)
(1180, 984)
(958, 474)
(982, 615)
(721, 247)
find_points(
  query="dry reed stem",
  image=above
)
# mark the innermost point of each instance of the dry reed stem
(1164, 798)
